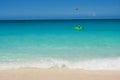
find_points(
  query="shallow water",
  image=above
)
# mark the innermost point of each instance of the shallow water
(48, 43)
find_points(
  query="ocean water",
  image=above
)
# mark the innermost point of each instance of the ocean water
(55, 43)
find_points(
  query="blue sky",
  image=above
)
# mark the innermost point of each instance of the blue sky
(59, 9)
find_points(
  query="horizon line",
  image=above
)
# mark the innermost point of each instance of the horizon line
(58, 19)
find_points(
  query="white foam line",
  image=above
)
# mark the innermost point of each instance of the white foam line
(94, 64)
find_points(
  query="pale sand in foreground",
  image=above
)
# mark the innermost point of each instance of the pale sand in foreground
(58, 74)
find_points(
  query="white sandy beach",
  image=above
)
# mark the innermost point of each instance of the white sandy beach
(58, 74)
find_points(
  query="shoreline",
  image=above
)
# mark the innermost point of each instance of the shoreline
(58, 74)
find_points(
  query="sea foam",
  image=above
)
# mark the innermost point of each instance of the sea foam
(93, 64)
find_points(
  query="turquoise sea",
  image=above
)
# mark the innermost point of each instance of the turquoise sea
(55, 43)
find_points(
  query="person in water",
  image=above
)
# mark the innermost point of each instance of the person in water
(78, 26)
